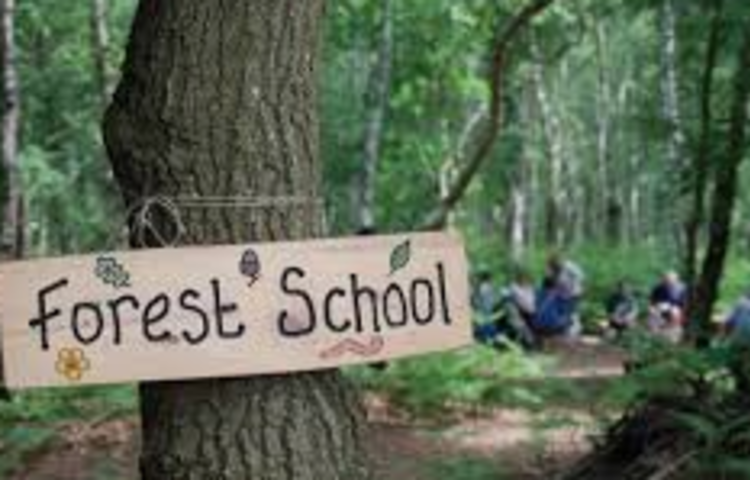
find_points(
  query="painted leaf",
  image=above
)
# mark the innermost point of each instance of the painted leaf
(400, 256)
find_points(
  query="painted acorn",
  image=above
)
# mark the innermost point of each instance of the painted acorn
(250, 265)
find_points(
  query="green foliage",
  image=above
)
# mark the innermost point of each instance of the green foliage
(698, 396)
(660, 369)
(54, 405)
(18, 441)
(466, 469)
(477, 376)
(30, 421)
(439, 68)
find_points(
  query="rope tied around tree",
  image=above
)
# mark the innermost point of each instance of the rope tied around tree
(158, 219)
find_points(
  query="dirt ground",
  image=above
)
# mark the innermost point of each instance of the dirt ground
(492, 444)
(502, 443)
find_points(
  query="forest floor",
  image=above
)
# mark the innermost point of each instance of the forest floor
(484, 444)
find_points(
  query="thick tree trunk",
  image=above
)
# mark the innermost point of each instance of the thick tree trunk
(376, 101)
(100, 49)
(13, 228)
(218, 99)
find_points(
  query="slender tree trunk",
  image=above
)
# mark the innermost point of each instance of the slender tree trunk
(554, 149)
(700, 174)
(376, 102)
(449, 168)
(100, 49)
(13, 228)
(724, 194)
(609, 216)
(635, 199)
(518, 212)
(676, 164)
(219, 99)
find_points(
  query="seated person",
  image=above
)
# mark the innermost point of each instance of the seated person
(737, 328)
(506, 316)
(522, 295)
(737, 325)
(622, 308)
(557, 301)
(485, 299)
(667, 307)
(486, 303)
(520, 300)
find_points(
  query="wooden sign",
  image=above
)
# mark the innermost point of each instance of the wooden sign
(231, 310)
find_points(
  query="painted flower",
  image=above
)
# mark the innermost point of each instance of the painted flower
(72, 363)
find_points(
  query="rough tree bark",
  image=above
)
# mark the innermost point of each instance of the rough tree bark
(218, 99)
(376, 102)
(100, 49)
(486, 132)
(13, 229)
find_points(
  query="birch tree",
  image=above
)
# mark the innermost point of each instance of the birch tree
(13, 229)
(376, 102)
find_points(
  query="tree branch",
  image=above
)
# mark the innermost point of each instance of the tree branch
(490, 130)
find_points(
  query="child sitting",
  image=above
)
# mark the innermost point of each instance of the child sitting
(622, 308)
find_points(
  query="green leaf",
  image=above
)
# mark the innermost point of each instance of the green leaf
(400, 256)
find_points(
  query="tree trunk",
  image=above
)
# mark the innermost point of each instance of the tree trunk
(675, 167)
(517, 215)
(724, 194)
(609, 216)
(376, 102)
(13, 229)
(100, 49)
(554, 149)
(701, 168)
(218, 100)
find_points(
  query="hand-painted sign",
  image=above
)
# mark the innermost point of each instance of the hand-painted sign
(231, 310)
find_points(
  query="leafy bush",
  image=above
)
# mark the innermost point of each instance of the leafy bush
(473, 376)
(29, 422)
(466, 469)
(54, 405)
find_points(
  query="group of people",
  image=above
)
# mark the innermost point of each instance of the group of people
(667, 303)
(527, 313)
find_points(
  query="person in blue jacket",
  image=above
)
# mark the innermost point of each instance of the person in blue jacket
(558, 298)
